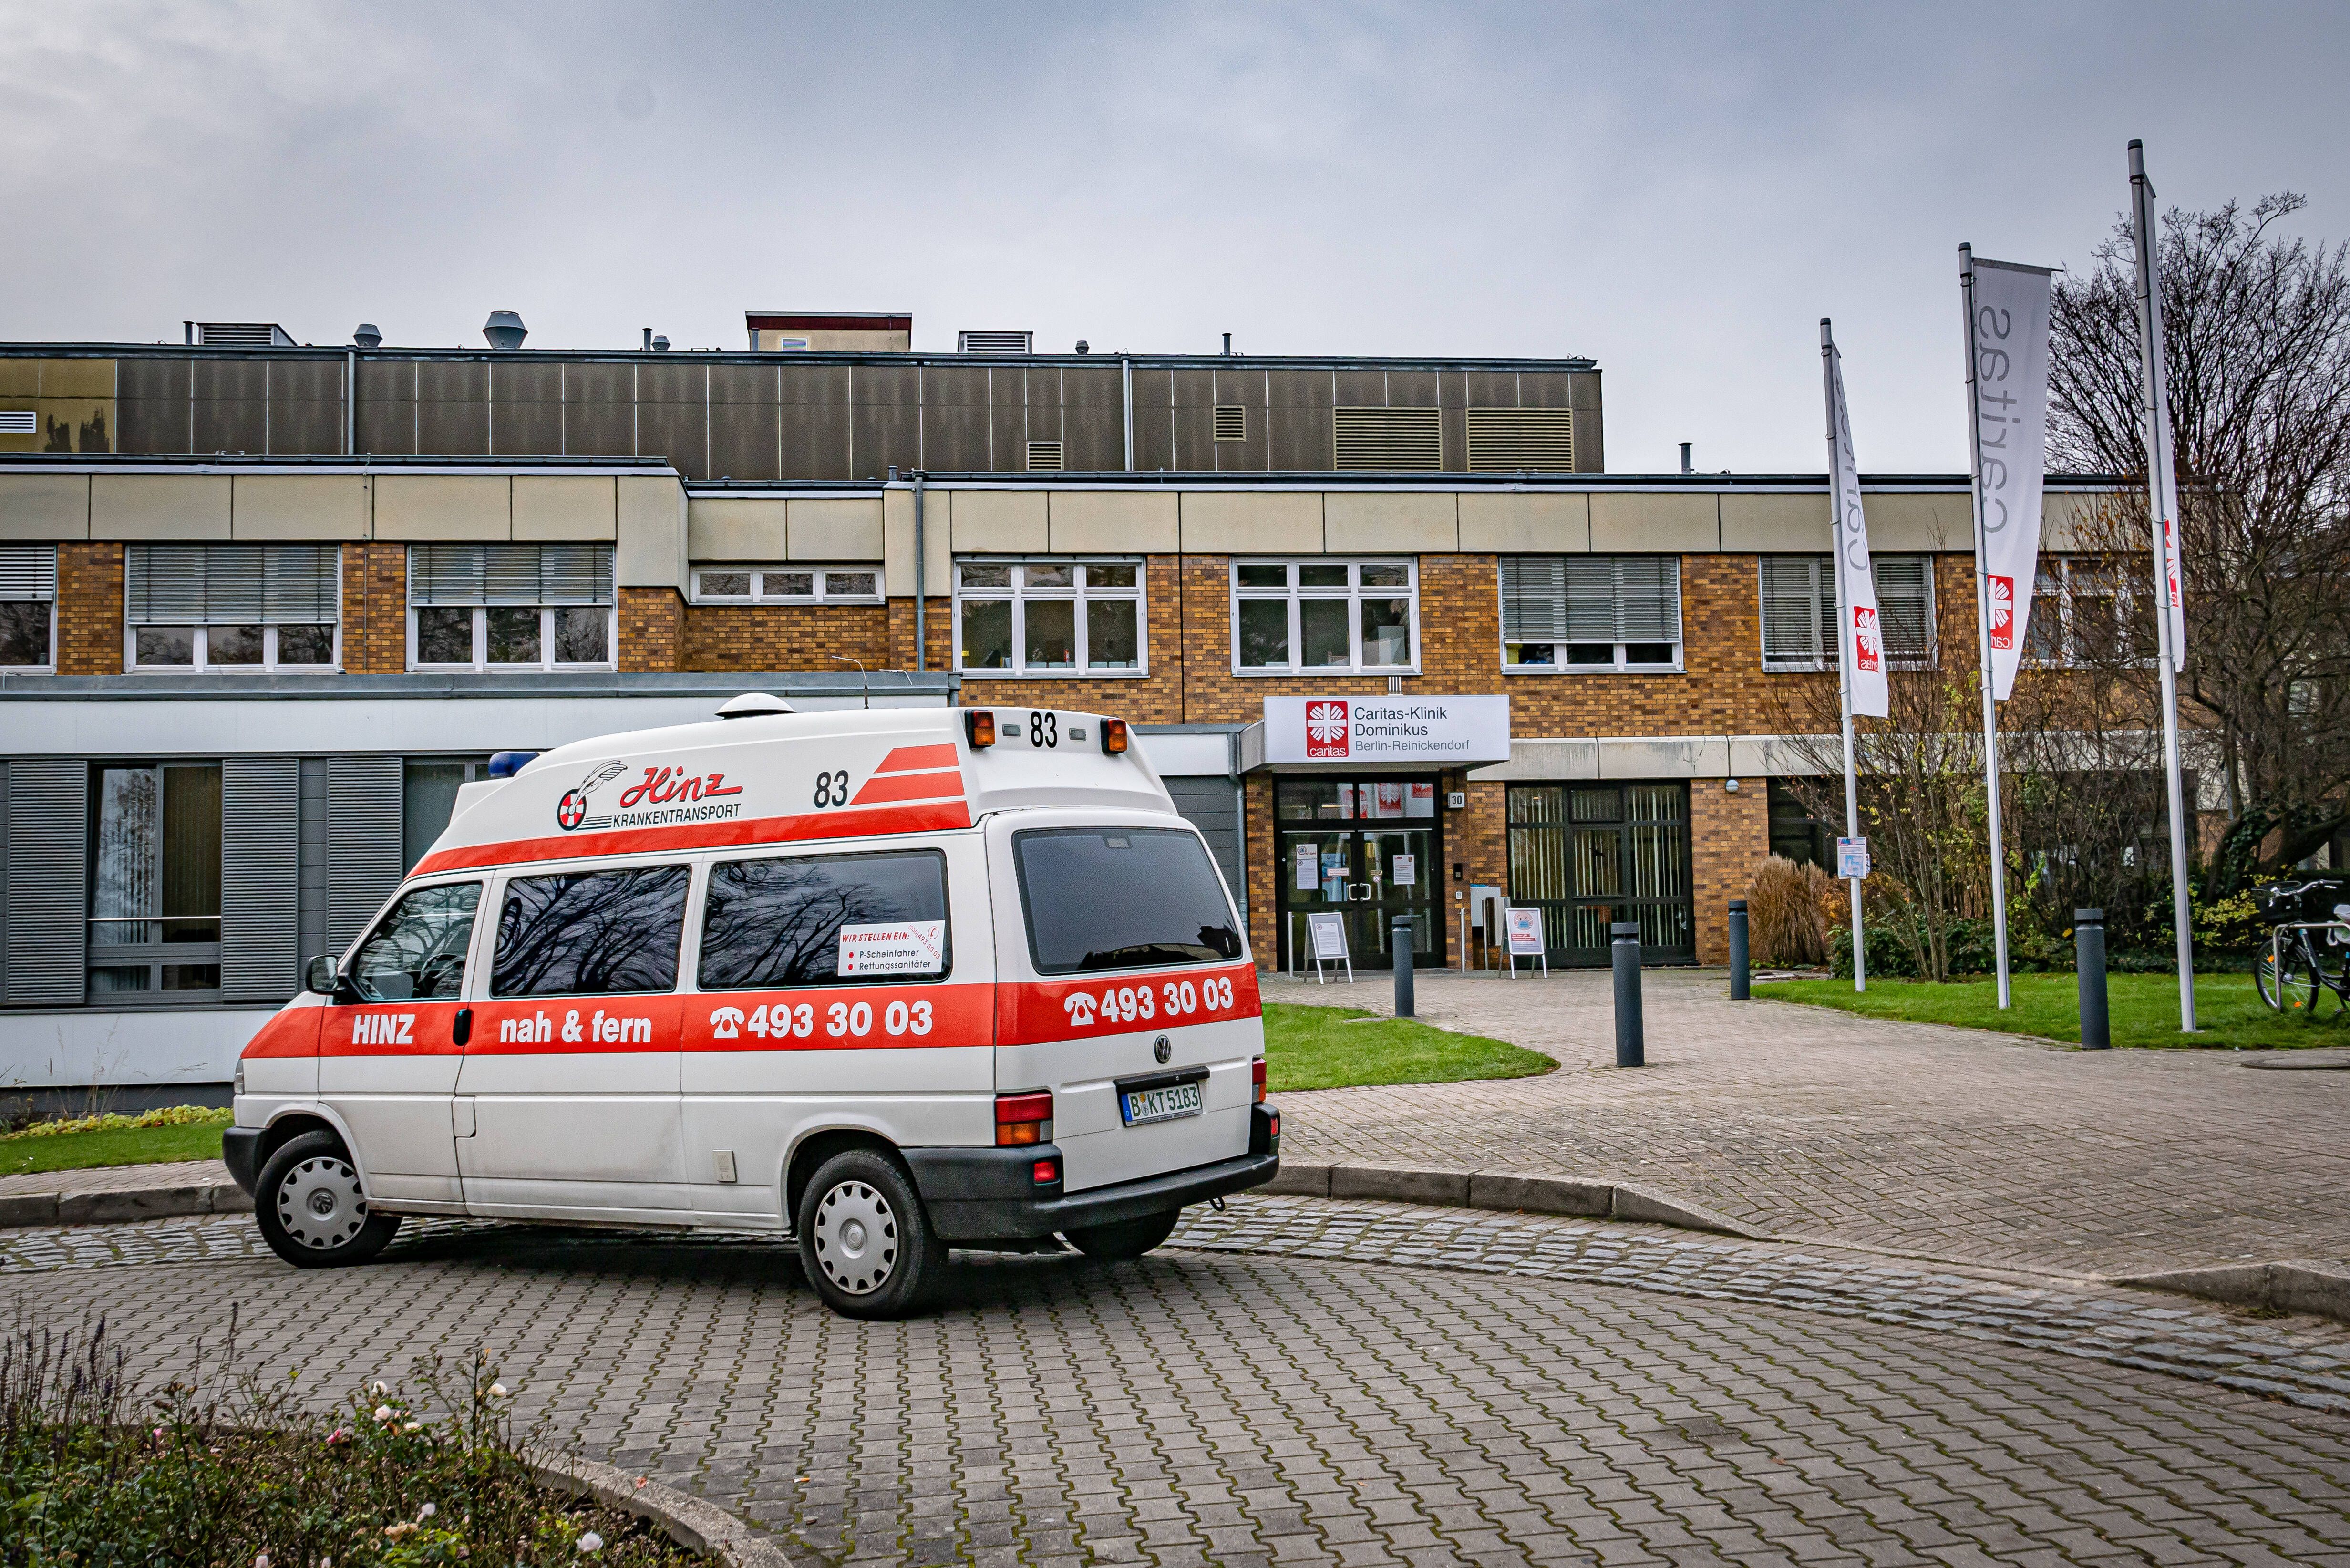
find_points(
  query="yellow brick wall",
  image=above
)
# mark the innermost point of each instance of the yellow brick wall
(90, 610)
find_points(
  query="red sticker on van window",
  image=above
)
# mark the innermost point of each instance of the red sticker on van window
(1076, 1009)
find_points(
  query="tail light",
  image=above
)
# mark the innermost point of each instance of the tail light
(1023, 1118)
(1046, 1172)
(1113, 735)
(1256, 1075)
(979, 727)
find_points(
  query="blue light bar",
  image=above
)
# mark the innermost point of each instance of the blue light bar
(505, 765)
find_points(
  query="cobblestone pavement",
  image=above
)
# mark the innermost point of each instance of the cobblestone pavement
(116, 1177)
(1814, 1125)
(1211, 1405)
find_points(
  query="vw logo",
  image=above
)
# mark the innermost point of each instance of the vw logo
(1162, 1049)
(572, 811)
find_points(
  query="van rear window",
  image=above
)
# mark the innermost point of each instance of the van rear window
(591, 933)
(1101, 898)
(832, 919)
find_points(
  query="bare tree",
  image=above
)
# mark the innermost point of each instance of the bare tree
(2257, 327)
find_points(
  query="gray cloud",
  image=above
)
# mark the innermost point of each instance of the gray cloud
(1680, 192)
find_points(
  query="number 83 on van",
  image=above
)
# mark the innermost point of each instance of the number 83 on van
(1126, 1004)
(843, 1019)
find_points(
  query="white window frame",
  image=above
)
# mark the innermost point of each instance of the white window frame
(202, 664)
(546, 660)
(49, 665)
(822, 571)
(1352, 594)
(2127, 597)
(1621, 663)
(1082, 593)
(1823, 655)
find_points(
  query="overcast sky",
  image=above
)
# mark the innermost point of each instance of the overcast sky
(1679, 192)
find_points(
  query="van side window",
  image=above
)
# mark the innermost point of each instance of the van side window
(591, 933)
(834, 919)
(1120, 897)
(417, 952)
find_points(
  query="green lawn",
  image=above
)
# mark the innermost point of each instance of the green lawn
(112, 1145)
(2143, 1009)
(1329, 1048)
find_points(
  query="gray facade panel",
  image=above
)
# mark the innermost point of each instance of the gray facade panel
(310, 898)
(1212, 805)
(260, 877)
(363, 842)
(48, 852)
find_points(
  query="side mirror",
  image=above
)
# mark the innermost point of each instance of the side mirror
(320, 975)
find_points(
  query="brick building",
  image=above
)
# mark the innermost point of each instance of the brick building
(264, 606)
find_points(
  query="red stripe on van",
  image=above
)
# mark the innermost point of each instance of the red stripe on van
(933, 817)
(911, 759)
(909, 786)
(900, 1017)
(1036, 1010)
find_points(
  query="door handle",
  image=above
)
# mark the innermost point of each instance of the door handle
(460, 1028)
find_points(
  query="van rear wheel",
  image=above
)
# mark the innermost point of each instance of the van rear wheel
(311, 1212)
(1126, 1240)
(864, 1244)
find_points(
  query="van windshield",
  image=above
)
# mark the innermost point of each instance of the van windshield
(1121, 897)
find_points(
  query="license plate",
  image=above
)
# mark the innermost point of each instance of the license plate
(1142, 1106)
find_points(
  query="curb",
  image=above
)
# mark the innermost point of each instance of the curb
(2278, 1287)
(1504, 1190)
(67, 1206)
(696, 1525)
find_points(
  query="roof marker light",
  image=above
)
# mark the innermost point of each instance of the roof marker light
(1112, 736)
(979, 727)
(505, 765)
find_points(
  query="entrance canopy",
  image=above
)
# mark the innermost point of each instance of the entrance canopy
(1376, 735)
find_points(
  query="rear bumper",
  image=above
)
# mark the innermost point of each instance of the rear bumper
(991, 1194)
(241, 1152)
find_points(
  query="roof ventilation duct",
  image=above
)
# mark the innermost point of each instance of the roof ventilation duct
(367, 336)
(1003, 342)
(505, 330)
(243, 335)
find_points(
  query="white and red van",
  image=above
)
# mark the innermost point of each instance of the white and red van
(883, 982)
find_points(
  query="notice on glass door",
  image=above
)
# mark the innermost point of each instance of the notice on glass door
(1407, 870)
(1309, 868)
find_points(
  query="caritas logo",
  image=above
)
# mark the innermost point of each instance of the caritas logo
(2002, 612)
(1866, 651)
(1325, 729)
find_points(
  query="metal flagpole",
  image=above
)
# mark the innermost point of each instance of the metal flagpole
(2158, 464)
(1983, 624)
(1844, 650)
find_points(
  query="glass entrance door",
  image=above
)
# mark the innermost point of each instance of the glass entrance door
(1365, 852)
(1589, 855)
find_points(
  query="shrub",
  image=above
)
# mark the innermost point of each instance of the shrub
(1786, 910)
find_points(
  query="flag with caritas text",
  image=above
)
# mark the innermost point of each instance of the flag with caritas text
(2162, 458)
(1861, 638)
(2007, 336)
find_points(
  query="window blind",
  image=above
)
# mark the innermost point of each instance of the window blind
(237, 585)
(1591, 598)
(510, 574)
(1799, 606)
(28, 571)
(1905, 604)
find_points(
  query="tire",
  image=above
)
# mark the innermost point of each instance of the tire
(2301, 987)
(1126, 1240)
(309, 1207)
(864, 1244)
(2264, 977)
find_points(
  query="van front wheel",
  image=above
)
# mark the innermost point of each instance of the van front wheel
(310, 1209)
(864, 1244)
(1122, 1242)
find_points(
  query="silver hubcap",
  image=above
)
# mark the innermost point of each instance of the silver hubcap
(319, 1204)
(855, 1238)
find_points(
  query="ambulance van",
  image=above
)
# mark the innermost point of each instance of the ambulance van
(881, 982)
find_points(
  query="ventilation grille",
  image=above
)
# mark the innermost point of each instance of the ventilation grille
(1231, 422)
(1044, 457)
(28, 571)
(243, 335)
(994, 342)
(1520, 441)
(19, 421)
(1387, 438)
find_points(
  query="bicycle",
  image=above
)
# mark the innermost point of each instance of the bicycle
(2293, 974)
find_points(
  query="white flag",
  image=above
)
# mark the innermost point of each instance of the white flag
(2008, 331)
(1860, 645)
(2162, 458)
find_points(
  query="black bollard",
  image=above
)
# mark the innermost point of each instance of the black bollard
(1400, 931)
(1631, 1047)
(1739, 990)
(2089, 959)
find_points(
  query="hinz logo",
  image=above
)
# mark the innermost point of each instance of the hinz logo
(572, 809)
(1326, 729)
(2002, 611)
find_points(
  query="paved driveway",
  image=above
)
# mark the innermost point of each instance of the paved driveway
(1803, 1122)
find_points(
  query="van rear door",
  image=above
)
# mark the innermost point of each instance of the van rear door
(1126, 988)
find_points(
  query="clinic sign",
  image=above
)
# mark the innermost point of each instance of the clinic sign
(1438, 731)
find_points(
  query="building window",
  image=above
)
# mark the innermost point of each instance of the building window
(2086, 610)
(786, 585)
(155, 885)
(1049, 618)
(232, 606)
(1591, 612)
(1293, 617)
(1799, 609)
(510, 606)
(1795, 833)
(28, 596)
